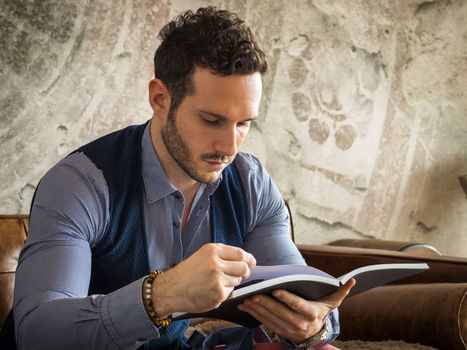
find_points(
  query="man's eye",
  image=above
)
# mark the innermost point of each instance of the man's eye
(211, 120)
(244, 124)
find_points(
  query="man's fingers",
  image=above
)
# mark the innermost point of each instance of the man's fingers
(269, 319)
(231, 281)
(231, 261)
(296, 325)
(335, 299)
(236, 268)
(288, 307)
(293, 302)
(227, 252)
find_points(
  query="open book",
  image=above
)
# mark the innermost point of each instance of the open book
(305, 281)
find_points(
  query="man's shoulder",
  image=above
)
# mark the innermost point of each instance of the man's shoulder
(79, 163)
(76, 172)
(246, 162)
(252, 172)
(73, 193)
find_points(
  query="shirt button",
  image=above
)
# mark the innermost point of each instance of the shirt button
(177, 195)
(175, 224)
(199, 210)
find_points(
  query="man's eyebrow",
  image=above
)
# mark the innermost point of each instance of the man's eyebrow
(219, 116)
(222, 117)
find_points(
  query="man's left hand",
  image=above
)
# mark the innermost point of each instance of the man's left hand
(292, 317)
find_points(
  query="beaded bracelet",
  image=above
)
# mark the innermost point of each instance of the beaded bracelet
(147, 299)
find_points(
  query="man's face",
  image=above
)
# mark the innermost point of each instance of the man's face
(204, 133)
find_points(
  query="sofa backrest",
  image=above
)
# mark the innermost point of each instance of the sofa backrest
(337, 261)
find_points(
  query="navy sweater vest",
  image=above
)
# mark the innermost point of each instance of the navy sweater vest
(121, 256)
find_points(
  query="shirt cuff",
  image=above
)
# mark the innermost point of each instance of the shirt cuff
(333, 330)
(333, 325)
(125, 318)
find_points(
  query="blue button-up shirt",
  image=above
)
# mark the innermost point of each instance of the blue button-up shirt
(70, 214)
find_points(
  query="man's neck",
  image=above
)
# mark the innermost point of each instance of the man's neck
(174, 173)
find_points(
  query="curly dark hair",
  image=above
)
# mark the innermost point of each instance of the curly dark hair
(208, 38)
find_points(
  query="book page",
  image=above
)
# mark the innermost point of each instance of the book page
(371, 276)
(261, 273)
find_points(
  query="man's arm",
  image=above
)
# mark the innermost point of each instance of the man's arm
(268, 219)
(269, 227)
(52, 309)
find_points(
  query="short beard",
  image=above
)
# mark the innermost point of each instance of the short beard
(180, 152)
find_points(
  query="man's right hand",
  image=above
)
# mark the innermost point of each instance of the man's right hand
(203, 281)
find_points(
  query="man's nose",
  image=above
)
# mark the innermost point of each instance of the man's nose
(227, 142)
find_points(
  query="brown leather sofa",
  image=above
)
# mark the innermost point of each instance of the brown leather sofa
(13, 230)
(429, 308)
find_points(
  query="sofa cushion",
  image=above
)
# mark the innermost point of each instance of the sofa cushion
(379, 345)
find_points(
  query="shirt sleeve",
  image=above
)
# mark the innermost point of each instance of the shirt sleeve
(269, 222)
(52, 309)
(268, 219)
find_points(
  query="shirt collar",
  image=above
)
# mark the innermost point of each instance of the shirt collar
(156, 183)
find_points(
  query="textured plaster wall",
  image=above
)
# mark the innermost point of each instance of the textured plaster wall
(363, 121)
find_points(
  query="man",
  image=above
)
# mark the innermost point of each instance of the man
(171, 195)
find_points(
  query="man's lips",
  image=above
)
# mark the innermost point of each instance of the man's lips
(216, 164)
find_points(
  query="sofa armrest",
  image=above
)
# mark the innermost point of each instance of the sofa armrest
(433, 314)
(13, 230)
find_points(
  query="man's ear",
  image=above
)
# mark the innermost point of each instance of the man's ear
(159, 98)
